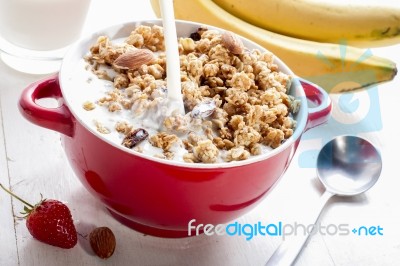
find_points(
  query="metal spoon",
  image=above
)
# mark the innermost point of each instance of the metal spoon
(346, 166)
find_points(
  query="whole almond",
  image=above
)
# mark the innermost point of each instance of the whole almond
(102, 241)
(133, 59)
(232, 42)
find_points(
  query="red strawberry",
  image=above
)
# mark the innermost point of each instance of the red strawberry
(50, 221)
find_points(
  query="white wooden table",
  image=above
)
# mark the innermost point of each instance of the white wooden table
(32, 162)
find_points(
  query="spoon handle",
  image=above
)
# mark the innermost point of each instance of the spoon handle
(287, 252)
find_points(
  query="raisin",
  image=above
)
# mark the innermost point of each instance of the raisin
(195, 36)
(135, 137)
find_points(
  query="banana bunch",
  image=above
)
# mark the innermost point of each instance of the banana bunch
(334, 67)
(362, 23)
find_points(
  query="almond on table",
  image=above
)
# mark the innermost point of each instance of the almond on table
(103, 242)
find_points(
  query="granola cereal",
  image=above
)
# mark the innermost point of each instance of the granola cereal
(88, 106)
(236, 100)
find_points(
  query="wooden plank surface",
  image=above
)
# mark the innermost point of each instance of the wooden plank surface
(8, 255)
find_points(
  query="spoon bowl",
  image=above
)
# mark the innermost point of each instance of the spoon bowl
(348, 165)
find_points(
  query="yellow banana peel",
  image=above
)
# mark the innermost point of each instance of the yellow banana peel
(334, 67)
(361, 23)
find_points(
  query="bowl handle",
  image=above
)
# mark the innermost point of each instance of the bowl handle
(59, 119)
(319, 113)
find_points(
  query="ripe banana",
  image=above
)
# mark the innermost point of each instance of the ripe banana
(336, 68)
(361, 23)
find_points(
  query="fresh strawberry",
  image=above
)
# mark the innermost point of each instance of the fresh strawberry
(49, 221)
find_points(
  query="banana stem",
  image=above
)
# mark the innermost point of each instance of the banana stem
(15, 196)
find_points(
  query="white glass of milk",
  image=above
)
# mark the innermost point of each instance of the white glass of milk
(34, 34)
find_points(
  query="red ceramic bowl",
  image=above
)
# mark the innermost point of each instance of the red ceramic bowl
(155, 196)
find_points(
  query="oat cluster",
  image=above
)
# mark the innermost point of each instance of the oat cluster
(235, 103)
